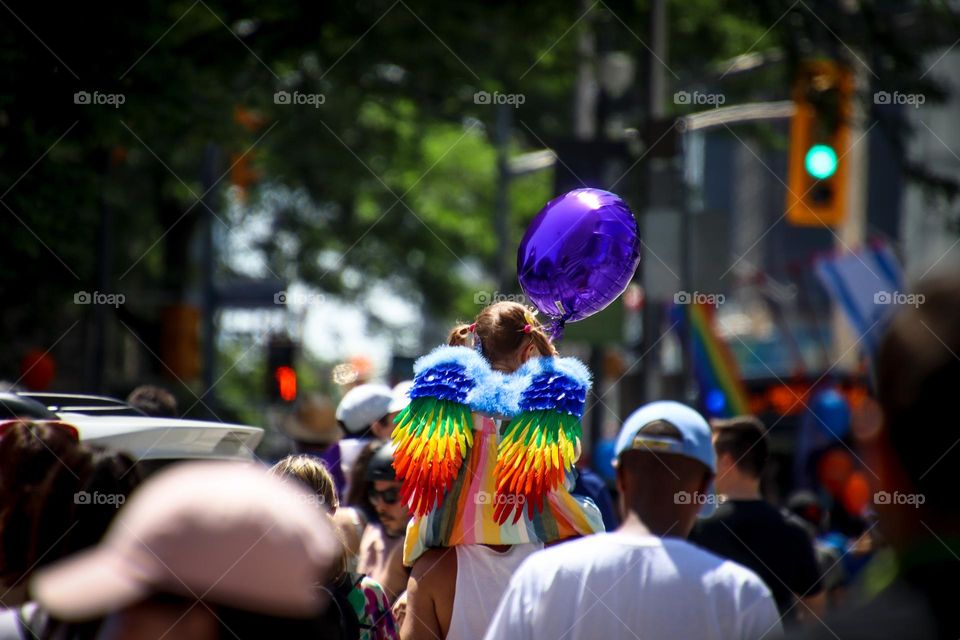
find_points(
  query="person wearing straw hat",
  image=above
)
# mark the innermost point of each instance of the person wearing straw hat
(313, 428)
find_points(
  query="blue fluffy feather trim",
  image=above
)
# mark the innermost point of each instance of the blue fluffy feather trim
(553, 384)
(462, 375)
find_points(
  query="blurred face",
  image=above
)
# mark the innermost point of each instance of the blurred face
(725, 464)
(151, 620)
(382, 428)
(393, 514)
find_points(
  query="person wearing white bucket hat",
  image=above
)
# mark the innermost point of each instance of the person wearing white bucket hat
(363, 416)
(363, 410)
(401, 398)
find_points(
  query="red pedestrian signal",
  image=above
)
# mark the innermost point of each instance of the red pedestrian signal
(281, 370)
(286, 379)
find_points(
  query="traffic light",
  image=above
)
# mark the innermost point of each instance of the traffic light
(286, 379)
(817, 174)
(281, 372)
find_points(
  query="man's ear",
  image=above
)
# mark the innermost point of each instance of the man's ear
(724, 462)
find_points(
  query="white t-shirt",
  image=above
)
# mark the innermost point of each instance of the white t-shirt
(615, 585)
(482, 577)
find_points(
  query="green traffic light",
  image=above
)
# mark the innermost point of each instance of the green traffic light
(821, 161)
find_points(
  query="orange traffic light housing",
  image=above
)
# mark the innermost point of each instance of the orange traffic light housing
(818, 173)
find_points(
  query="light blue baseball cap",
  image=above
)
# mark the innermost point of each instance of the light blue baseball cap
(695, 438)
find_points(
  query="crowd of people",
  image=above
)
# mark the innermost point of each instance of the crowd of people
(450, 507)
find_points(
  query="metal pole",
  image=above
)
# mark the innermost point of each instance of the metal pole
(501, 215)
(585, 98)
(851, 233)
(103, 285)
(656, 108)
(208, 172)
(658, 60)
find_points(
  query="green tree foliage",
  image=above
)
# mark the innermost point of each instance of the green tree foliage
(394, 172)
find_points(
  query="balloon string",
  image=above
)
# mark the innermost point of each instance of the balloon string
(556, 329)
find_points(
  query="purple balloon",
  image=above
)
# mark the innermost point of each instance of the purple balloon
(578, 254)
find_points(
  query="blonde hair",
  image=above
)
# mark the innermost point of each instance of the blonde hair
(501, 330)
(313, 474)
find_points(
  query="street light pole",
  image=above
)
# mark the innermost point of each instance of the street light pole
(656, 92)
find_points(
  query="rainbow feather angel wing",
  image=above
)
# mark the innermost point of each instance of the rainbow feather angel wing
(435, 431)
(537, 449)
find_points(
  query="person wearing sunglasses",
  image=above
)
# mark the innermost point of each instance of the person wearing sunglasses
(381, 546)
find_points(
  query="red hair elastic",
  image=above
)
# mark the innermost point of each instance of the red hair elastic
(472, 327)
(527, 328)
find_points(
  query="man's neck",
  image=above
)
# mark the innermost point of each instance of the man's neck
(740, 488)
(393, 535)
(634, 526)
